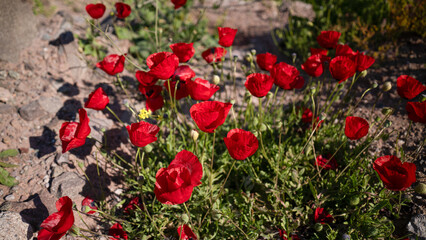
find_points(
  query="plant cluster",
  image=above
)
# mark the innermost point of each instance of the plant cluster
(262, 168)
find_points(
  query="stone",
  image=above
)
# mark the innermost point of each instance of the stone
(7, 109)
(301, 9)
(67, 184)
(5, 95)
(62, 158)
(417, 226)
(13, 74)
(32, 111)
(98, 125)
(33, 210)
(10, 197)
(3, 75)
(19, 28)
(57, 171)
(50, 104)
(12, 226)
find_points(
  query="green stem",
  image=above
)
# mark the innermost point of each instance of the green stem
(211, 169)
(115, 115)
(156, 25)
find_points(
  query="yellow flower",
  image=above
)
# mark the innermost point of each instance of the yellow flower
(144, 114)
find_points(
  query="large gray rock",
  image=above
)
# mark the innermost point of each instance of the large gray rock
(67, 184)
(13, 227)
(32, 111)
(18, 28)
(417, 226)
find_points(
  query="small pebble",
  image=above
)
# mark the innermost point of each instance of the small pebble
(9, 197)
(13, 74)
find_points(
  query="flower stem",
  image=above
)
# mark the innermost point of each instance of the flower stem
(211, 169)
(115, 115)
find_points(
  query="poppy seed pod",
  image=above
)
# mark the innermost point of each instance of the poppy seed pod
(420, 188)
(386, 86)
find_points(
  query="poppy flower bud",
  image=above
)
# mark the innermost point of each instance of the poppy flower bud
(386, 86)
(420, 188)
(279, 124)
(364, 73)
(375, 85)
(232, 101)
(194, 135)
(354, 200)
(318, 227)
(269, 95)
(253, 52)
(185, 218)
(263, 127)
(294, 56)
(148, 148)
(387, 111)
(216, 79)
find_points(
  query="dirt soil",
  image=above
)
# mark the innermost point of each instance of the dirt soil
(52, 80)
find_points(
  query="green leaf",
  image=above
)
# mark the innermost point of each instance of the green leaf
(9, 153)
(7, 165)
(6, 179)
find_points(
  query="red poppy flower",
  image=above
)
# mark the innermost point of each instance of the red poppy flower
(134, 204)
(241, 144)
(266, 61)
(117, 232)
(74, 134)
(183, 73)
(146, 79)
(395, 175)
(95, 11)
(322, 216)
(175, 183)
(286, 76)
(209, 115)
(416, 111)
(154, 100)
(112, 64)
(97, 100)
(184, 51)
(178, 3)
(321, 51)
(328, 39)
(283, 235)
(345, 50)
(181, 89)
(326, 163)
(342, 68)
(363, 62)
(356, 127)
(57, 224)
(162, 64)
(142, 133)
(123, 10)
(89, 204)
(187, 233)
(201, 90)
(214, 54)
(409, 87)
(314, 65)
(259, 84)
(226, 36)
(307, 118)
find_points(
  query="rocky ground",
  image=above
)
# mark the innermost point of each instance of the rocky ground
(48, 82)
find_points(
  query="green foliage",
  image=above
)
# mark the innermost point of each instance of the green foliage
(358, 21)
(9, 153)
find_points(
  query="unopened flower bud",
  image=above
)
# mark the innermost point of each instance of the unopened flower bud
(185, 218)
(279, 124)
(216, 79)
(386, 86)
(318, 227)
(353, 201)
(148, 148)
(387, 111)
(322, 116)
(253, 52)
(263, 127)
(311, 24)
(294, 56)
(194, 135)
(269, 95)
(388, 123)
(249, 58)
(420, 188)
(232, 101)
(235, 58)
(363, 73)
(375, 85)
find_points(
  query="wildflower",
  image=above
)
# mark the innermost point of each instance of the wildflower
(241, 144)
(226, 36)
(74, 134)
(97, 100)
(142, 133)
(95, 11)
(395, 175)
(209, 115)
